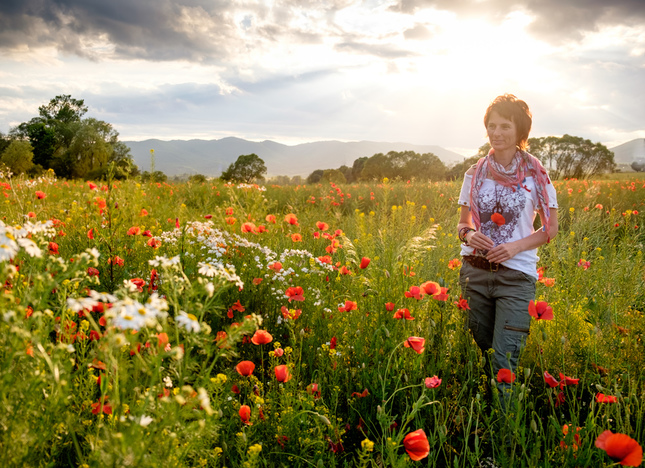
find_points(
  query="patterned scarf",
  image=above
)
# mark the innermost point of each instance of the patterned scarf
(522, 165)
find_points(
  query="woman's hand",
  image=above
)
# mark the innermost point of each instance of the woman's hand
(502, 252)
(479, 241)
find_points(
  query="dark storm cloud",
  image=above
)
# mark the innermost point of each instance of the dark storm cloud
(555, 20)
(148, 29)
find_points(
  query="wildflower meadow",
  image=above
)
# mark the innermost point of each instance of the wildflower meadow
(225, 325)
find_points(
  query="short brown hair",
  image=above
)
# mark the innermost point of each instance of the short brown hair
(515, 110)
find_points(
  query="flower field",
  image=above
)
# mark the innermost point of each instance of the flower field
(237, 325)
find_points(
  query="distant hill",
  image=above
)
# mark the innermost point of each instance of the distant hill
(211, 157)
(629, 152)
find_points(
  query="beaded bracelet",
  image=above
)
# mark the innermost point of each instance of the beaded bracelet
(463, 232)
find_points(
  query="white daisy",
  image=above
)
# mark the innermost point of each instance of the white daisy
(188, 321)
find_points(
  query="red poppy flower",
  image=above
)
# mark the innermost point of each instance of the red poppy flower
(550, 380)
(403, 314)
(462, 304)
(139, 283)
(498, 219)
(602, 398)
(248, 227)
(290, 314)
(91, 271)
(506, 376)
(134, 231)
(540, 310)
(576, 438)
(277, 266)
(291, 219)
(296, 237)
(416, 343)
(332, 343)
(90, 233)
(228, 211)
(325, 259)
(432, 382)
(261, 228)
(584, 264)
(417, 445)
(245, 414)
(362, 394)
(279, 352)
(442, 296)
(256, 281)
(431, 288)
(415, 292)
(322, 226)
(101, 406)
(146, 233)
(91, 185)
(154, 243)
(237, 306)
(53, 248)
(621, 448)
(143, 212)
(245, 368)
(454, 264)
(282, 373)
(208, 216)
(389, 306)
(230, 220)
(364, 263)
(559, 399)
(295, 293)
(564, 380)
(40, 195)
(348, 306)
(270, 219)
(261, 337)
(312, 389)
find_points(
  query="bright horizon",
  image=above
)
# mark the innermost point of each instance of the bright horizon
(414, 71)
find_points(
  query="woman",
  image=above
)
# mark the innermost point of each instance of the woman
(499, 198)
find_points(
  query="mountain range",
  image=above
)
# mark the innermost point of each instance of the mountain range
(211, 157)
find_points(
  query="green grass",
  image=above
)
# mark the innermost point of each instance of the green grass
(174, 394)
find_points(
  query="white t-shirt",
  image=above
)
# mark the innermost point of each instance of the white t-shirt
(518, 207)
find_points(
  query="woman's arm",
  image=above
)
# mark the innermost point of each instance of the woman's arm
(475, 239)
(504, 252)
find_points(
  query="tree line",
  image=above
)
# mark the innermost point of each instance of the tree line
(564, 157)
(62, 139)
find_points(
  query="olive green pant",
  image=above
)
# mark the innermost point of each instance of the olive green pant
(499, 312)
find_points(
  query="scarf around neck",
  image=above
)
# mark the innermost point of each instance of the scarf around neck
(523, 164)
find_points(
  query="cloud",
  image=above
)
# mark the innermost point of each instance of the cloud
(387, 51)
(419, 32)
(162, 30)
(553, 20)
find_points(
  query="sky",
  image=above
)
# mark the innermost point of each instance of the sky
(294, 71)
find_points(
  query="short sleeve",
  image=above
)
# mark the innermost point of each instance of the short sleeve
(464, 196)
(553, 196)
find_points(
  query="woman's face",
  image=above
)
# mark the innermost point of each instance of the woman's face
(502, 133)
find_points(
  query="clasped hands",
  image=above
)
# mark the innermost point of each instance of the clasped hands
(498, 254)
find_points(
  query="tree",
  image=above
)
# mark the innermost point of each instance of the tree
(357, 167)
(377, 167)
(639, 165)
(72, 145)
(572, 156)
(458, 170)
(247, 169)
(315, 176)
(334, 175)
(18, 156)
